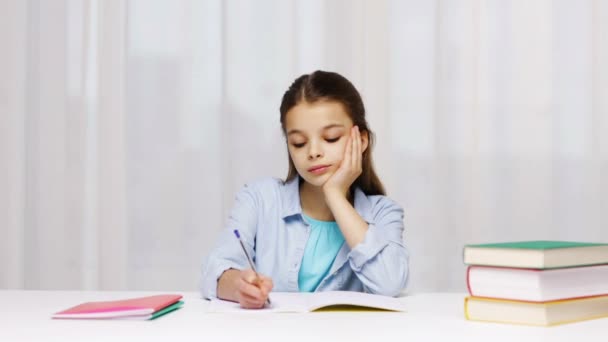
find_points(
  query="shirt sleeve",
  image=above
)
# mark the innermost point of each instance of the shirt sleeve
(381, 261)
(228, 253)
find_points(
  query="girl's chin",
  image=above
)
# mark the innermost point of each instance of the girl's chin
(317, 181)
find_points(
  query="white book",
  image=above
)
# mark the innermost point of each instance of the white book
(537, 285)
(301, 302)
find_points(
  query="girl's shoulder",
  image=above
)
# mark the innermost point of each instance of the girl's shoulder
(271, 195)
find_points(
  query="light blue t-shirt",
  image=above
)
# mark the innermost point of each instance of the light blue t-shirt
(324, 242)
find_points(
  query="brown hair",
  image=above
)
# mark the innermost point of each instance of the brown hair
(330, 86)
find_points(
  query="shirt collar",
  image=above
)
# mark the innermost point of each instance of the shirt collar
(291, 191)
(293, 206)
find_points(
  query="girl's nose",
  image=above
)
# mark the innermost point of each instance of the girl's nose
(314, 155)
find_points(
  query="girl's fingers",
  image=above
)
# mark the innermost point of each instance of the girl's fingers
(357, 149)
(253, 289)
(266, 284)
(249, 289)
(347, 152)
(247, 299)
(250, 303)
(249, 276)
(353, 141)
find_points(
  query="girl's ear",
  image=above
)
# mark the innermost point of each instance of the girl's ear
(364, 141)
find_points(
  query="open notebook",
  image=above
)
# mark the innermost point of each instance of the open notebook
(308, 302)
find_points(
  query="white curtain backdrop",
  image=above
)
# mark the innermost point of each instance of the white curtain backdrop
(127, 127)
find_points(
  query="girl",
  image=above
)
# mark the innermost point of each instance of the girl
(328, 226)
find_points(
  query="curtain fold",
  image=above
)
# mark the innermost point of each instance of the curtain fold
(13, 69)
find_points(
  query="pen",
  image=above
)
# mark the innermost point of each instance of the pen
(238, 236)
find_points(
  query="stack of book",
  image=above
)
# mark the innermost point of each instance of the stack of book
(536, 282)
(141, 308)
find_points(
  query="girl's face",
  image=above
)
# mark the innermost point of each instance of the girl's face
(316, 138)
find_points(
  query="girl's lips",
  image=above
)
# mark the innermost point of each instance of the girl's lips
(317, 170)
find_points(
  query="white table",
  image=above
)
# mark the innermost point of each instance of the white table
(24, 316)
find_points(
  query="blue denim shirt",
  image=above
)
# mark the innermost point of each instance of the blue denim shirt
(268, 215)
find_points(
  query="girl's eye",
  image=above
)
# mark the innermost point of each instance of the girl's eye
(298, 145)
(332, 140)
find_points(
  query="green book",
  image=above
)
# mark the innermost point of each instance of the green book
(166, 310)
(536, 254)
(156, 314)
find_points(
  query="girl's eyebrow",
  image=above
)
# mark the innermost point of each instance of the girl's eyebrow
(295, 131)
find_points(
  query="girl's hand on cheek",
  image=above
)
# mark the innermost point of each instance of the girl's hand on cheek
(350, 167)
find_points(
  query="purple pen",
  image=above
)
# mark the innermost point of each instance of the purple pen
(238, 236)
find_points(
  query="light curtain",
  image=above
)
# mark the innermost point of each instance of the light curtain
(128, 126)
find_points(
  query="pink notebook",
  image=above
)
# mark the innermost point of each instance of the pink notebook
(142, 306)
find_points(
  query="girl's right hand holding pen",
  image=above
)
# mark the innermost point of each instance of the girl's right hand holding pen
(252, 289)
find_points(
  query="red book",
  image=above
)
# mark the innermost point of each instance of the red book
(142, 307)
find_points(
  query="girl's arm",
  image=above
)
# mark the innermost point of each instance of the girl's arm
(381, 260)
(225, 272)
(336, 189)
(351, 224)
(378, 256)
